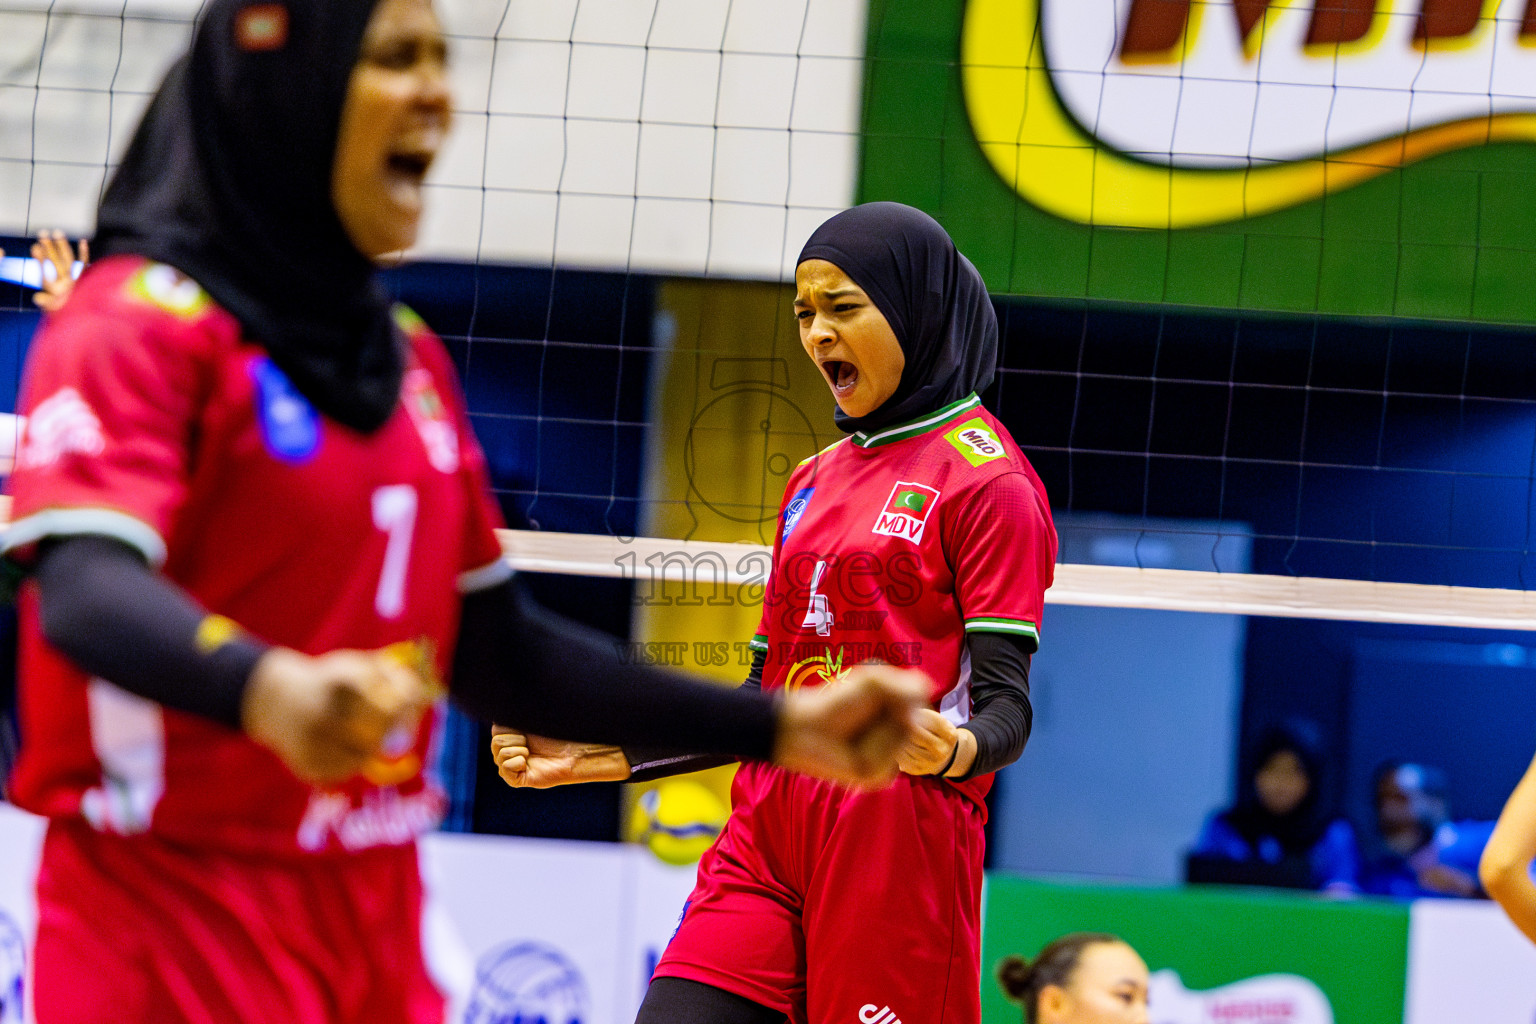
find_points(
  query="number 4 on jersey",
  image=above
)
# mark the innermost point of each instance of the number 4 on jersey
(818, 615)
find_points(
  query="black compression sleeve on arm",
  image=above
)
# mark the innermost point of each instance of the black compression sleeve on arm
(647, 763)
(112, 615)
(1001, 714)
(521, 665)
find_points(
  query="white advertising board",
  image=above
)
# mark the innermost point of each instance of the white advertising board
(1467, 963)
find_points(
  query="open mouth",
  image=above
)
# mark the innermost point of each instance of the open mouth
(410, 165)
(841, 374)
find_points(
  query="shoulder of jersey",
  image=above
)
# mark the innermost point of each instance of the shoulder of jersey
(975, 437)
(409, 322)
(423, 341)
(812, 458)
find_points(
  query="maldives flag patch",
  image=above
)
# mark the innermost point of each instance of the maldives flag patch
(906, 511)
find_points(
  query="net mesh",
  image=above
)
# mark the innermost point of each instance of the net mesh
(628, 184)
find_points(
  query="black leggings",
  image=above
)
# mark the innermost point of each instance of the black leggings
(678, 1001)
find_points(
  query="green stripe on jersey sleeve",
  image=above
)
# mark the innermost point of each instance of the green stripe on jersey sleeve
(996, 624)
(759, 642)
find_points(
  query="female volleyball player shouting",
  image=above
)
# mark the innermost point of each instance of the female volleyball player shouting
(922, 539)
(259, 530)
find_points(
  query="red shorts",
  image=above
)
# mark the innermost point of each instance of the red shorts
(835, 906)
(135, 929)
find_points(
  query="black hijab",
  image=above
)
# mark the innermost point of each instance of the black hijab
(228, 179)
(933, 298)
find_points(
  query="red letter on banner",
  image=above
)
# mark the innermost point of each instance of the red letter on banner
(1447, 19)
(1154, 27)
(1340, 21)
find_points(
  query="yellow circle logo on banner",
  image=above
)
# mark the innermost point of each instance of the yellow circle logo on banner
(678, 820)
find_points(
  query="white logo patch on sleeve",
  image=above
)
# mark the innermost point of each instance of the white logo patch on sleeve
(61, 424)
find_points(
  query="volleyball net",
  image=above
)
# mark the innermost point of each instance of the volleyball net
(1260, 275)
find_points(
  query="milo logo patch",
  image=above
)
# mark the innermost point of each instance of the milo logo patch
(976, 441)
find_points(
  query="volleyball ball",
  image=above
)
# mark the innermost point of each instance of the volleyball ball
(678, 820)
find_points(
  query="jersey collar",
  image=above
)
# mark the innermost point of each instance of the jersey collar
(921, 425)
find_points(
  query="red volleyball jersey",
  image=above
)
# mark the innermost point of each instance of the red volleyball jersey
(152, 420)
(893, 545)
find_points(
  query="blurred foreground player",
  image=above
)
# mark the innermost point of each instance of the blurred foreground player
(924, 539)
(260, 533)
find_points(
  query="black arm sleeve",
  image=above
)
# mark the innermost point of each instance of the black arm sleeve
(519, 664)
(1001, 714)
(112, 615)
(648, 763)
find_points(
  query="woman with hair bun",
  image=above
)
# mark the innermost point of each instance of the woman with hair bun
(1081, 978)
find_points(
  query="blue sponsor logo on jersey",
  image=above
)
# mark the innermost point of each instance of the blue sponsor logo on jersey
(525, 982)
(796, 508)
(290, 426)
(13, 970)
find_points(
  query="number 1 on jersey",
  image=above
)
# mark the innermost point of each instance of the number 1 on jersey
(394, 512)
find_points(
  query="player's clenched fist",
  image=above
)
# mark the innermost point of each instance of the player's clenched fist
(852, 732)
(536, 762)
(937, 747)
(327, 716)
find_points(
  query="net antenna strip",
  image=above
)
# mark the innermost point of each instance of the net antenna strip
(1102, 586)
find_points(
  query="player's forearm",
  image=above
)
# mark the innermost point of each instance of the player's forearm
(112, 615)
(516, 662)
(1514, 891)
(646, 763)
(1001, 714)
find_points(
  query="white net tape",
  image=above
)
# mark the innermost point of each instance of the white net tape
(652, 559)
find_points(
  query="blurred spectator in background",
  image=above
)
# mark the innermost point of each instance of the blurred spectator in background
(1081, 978)
(1281, 831)
(1419, 851)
